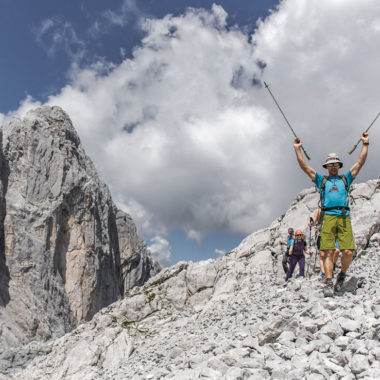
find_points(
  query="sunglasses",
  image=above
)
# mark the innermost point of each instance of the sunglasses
(336, 164)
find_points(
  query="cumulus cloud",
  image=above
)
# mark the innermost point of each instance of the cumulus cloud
(160, 250)
(188, 138)
(322, 61)
(325, 53)
(178, 133)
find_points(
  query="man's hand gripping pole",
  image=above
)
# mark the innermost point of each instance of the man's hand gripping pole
(364, 132)
(298, 140)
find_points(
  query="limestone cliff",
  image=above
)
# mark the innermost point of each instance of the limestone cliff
(66, 250)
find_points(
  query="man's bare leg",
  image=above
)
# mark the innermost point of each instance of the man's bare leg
(346, 260)
(321, 265)
(328, 262)
(336, 256)
(321, 259)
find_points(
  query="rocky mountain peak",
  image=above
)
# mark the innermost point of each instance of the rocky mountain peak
(68, 251)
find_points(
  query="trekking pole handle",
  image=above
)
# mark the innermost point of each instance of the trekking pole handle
(303, 149)
(355, 146)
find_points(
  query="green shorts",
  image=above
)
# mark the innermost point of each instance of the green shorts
(336, 227)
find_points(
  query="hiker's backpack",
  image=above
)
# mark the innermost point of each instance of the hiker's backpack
(344, 209)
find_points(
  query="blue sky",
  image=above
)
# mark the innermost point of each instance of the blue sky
(32, 64)
(166, 97)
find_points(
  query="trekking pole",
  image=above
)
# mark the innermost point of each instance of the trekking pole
(316, 250)
(364, 132)
(311, 222)
(270, 92)
(309, 261)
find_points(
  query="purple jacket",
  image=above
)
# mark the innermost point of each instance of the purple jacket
(298, 247)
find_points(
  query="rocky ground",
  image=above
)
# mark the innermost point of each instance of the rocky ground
(232, 318)
(235, 322)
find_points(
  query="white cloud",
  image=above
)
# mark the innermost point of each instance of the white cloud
(322, 60)
(56, 34)
(220, 252)
(128, 11)
(176, 132)
(26, 105)
(160, 250)
(123, 52)
(194, 235)
(128, 15)
(185, 136)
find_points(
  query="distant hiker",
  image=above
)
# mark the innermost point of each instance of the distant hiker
(288, 243)
(296, 253)
(336, 221)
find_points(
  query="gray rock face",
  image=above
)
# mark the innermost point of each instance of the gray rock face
(4, 272)
(66, 250)
(232, 318)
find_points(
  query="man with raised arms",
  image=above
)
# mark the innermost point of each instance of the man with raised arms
(336, 223)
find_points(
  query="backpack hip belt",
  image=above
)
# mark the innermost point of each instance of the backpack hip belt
(344, 209)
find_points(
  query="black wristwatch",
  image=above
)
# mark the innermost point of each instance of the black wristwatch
(366, 143)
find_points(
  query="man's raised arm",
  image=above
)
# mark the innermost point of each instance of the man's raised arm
(301, 160)
(362, 156)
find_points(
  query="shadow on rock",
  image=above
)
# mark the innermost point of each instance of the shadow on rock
(4, 271)
(352, 285)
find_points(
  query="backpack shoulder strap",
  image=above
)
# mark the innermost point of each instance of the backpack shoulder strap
(323, 184)
(322, 193)
(344, 179)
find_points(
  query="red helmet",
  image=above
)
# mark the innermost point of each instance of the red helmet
(299, 232)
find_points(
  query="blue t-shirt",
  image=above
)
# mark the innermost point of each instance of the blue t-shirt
(335, 192)
(290, 241)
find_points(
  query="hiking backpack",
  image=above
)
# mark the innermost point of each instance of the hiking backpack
(344, 209)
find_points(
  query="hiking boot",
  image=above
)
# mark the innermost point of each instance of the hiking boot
(339, 282)
(323, 277)
(328, 291)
